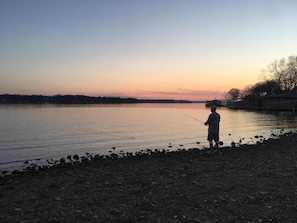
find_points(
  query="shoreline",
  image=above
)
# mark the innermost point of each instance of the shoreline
(35, 164)
(255, 183)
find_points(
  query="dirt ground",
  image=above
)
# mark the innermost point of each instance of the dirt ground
(255, 183)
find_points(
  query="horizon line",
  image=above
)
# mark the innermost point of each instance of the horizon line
(141, 99)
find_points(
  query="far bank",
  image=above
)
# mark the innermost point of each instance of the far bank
(271, 102)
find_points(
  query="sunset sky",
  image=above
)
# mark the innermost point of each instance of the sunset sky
(157, 49)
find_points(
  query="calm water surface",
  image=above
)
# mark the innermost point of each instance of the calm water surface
(29, 132)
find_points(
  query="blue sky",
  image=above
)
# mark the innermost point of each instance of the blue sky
(144, 49)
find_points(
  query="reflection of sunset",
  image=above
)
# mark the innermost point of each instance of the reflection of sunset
(192, 50)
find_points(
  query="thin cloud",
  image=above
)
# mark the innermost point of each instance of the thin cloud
(184, 94)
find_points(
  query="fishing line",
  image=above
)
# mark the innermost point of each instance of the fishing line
(192, 117)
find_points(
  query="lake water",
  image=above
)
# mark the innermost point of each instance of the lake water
(31, 132)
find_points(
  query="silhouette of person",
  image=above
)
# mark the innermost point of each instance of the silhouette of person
(213, 123)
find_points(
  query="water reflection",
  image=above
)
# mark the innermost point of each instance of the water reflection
(248, 124)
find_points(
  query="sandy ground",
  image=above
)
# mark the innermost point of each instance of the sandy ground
(255, 183)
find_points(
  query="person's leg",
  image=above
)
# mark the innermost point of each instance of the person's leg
(210, 144)
(209, 138)
(216, 139)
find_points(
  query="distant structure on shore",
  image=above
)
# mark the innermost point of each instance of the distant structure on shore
(217, 103)
(277, 102)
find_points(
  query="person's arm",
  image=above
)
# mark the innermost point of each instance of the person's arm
(208, 120)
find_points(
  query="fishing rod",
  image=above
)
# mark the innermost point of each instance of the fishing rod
(193, 118)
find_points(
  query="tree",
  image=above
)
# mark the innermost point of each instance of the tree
(284, 72)
(292, 71)
(247, 91)
(233, 94)
(264, 88)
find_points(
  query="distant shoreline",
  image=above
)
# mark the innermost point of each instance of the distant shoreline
(80, 99)
(278, 102)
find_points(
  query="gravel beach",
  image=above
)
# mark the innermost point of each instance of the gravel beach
(250, 183)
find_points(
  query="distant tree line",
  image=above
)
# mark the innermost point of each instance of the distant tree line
(74, 99)
(62, 99)
(283, 80)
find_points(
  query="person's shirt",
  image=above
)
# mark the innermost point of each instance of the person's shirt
(213, 122)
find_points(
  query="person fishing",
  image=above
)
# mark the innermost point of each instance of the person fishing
(213, 123)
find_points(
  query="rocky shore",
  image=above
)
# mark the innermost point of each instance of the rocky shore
(250, 183)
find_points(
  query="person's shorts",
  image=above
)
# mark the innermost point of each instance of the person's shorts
(213, 136)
